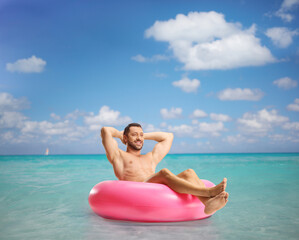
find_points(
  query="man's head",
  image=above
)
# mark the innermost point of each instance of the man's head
(133, 136)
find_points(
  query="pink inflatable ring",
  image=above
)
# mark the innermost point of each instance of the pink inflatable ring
(144, 202)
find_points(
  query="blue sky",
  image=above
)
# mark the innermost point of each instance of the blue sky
(221, 75)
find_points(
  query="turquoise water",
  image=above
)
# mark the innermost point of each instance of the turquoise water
(45, 197)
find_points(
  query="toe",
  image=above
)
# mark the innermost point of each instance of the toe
(226, 196)
(222, 194)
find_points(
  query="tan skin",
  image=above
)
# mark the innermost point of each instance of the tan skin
(130, 165)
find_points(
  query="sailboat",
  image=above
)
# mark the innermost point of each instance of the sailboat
(47, 151)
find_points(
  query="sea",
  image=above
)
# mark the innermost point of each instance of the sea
(46, 197)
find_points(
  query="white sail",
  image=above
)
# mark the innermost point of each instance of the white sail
(47, 151)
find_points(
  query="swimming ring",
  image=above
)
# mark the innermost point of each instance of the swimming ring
(144, 202)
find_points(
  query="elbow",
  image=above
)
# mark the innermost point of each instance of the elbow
(171, 136)
(103, 131)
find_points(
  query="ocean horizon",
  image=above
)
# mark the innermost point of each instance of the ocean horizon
(199, 153)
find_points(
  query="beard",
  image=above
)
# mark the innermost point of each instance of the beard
(132, 145)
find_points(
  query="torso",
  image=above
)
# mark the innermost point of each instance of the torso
(133, 168)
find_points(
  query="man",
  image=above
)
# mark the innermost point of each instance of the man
(130, 165)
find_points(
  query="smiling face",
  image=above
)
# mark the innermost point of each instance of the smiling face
(135, 139)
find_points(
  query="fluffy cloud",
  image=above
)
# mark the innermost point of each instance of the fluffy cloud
(197, 113)
(55, 116)
(17, 128)
(75, 114)
(182, 130)
(9, 117)
(293, 126)
(285, 83)
(240, 94)
(172, 113)
(155, 58)
(261, 122)
(187, 85)
(286, 6)
(29, 65)
(220, 117)
(233, 140)
(294, 106)
(9, 103)
(106, 116)
(211, 128)
(199, 130)
(48, 128)
(281, 37)
(12, 120)
(147, 127)
(204, 40)
(283, 138)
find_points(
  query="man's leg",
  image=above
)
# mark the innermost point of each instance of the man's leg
(181, 185)
(212, 204)
(190, 176)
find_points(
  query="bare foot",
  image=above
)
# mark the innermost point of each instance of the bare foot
(216, 203)
(214, 191)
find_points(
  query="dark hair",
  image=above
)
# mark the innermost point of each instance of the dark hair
(127, 129)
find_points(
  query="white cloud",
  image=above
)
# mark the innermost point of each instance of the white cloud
(286, 6)
(293, 126)
(55, 116)
(147, 127)
(294, 106)
(187, 85)
(9, 103)
(197, 113)
(220, 117)
(234, 140)
(181, 130)
(29, 65)
(155, 58)
(139, 58)
(45, 127)
(75, 114)
(44, 130)
(172, 113)
(285, 83)
(199, 130)
(7, 136)
(17, 128)
(12, 119)
(281, 36)
(260, 123)
(240, 94)
(283, 138)
(204, 40)
(106, 116)
(211, 128)
(67, 130)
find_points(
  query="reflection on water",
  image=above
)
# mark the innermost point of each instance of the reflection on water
(113, 229)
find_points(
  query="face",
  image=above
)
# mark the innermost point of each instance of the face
(135, 138)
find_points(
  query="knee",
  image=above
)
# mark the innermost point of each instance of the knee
(165, 172)
(189, 172)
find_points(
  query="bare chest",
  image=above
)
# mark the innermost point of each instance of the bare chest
(137, 169)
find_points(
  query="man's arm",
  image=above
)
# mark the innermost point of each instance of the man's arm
(163, 146)
(110, 144)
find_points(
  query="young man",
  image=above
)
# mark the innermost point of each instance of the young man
(130, 165)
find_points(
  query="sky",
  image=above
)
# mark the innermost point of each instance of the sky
(222, 76)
